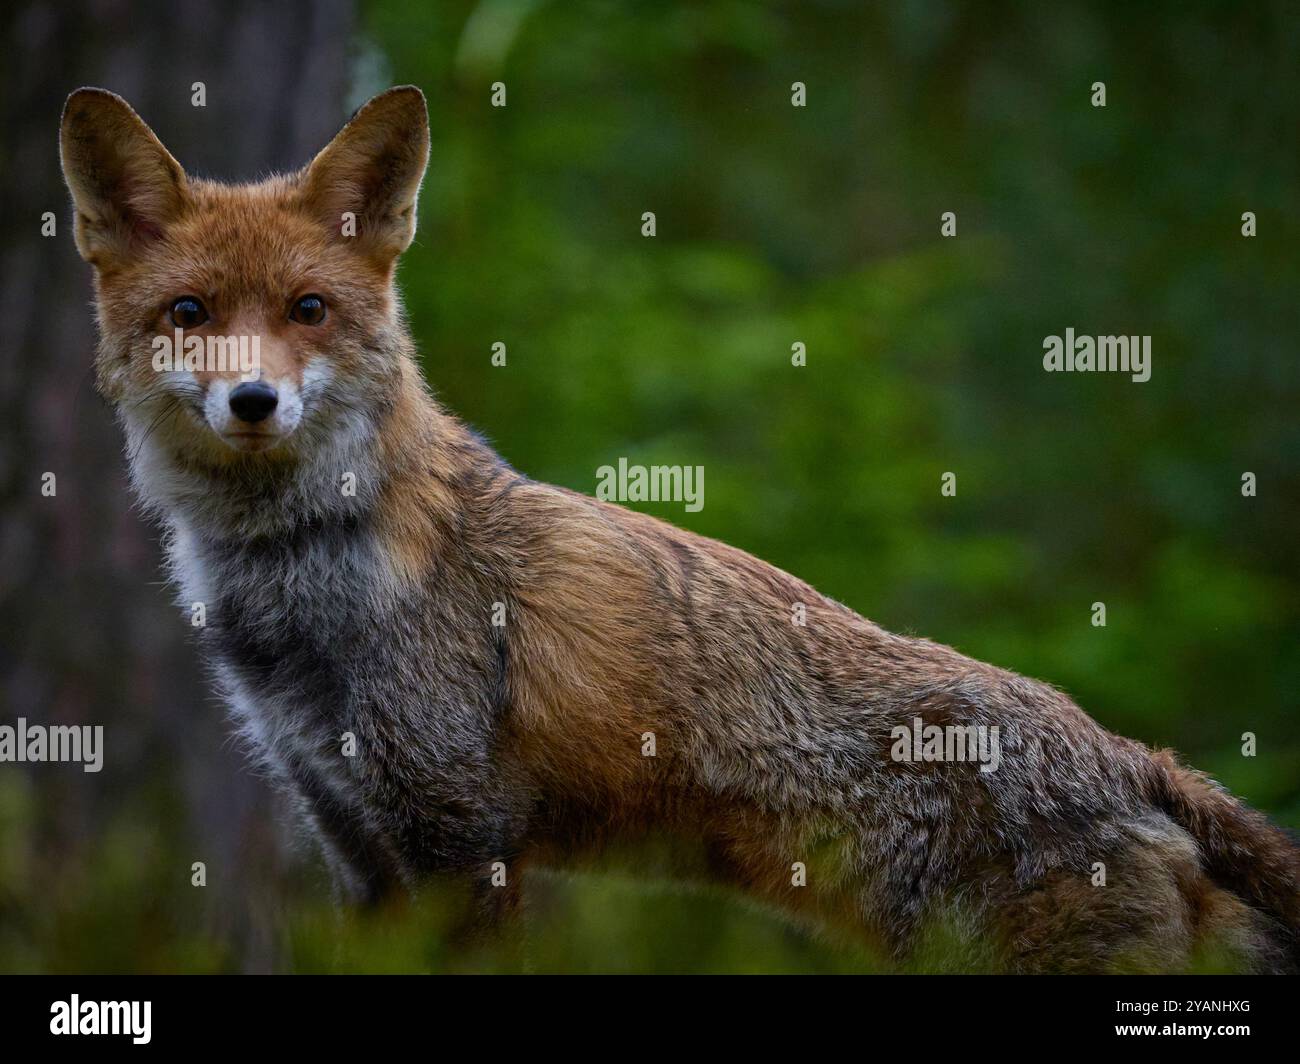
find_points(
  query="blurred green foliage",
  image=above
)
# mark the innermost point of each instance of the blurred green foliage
(820, 224)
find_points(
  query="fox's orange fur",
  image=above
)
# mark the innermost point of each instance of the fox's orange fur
(371, 614)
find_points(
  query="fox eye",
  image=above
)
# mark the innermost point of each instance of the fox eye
(188, 313)
(309, 310)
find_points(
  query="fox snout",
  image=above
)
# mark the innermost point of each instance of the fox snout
(248, 415)
(253, 401)
(253, 415)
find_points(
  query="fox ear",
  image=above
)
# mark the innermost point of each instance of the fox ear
(125, 185)
(369, 174)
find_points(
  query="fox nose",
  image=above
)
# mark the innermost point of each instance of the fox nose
(253, 401)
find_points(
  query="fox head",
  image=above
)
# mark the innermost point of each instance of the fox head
(245, 324)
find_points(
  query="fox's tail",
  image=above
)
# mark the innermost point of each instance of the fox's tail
(1242, 851)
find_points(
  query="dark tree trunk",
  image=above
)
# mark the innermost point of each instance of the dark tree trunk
(87, 633)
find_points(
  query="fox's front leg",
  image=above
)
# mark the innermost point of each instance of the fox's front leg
(492, 910)
(374, 856)
(365, 867)
(471, 828)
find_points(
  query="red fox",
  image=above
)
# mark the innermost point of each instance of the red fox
(459, 671)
